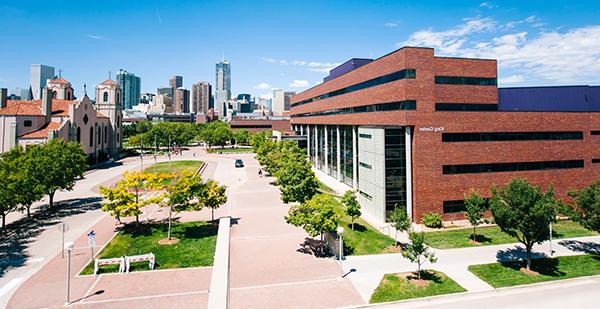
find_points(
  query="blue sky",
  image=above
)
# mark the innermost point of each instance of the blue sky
(292, 44)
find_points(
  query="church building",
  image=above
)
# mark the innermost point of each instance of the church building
(95, 125)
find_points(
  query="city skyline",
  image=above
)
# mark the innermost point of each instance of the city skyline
(282, 52)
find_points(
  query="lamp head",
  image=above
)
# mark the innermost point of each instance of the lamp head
(69, 246)
(340, 229)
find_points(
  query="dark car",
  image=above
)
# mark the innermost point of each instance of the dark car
(239, 163)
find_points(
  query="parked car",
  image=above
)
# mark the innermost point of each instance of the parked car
(239, 163)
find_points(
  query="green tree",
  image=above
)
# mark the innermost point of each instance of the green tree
(475, 208)
(400, 221)
(297, 182)
(418, 252)
(55, 166)
(352, 206)
(125, 199)
(584, 206)
(240, 136)
(186, 194)
(8, 192)
(523, 211)
(214, 197)
(316, 216)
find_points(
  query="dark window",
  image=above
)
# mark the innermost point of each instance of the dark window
(332, 149)
(463, 80)
(465, 107)
(370, 198)
(381, 107)
(510, 167)
(454, 206)
(27, 123)
(91, 136)
(407, 73)
(99, 136)
(105, 97)
(78, 134)
(251, 126)
(364, 136)
(510, 136)
(595, 160)
(365, 165)
(105, 134)
(595, 132)
(395, 169)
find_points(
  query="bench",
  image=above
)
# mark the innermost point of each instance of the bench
(139, 258)
(114, 261)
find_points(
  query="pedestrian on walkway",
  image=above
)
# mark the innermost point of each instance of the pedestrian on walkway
(260, 173)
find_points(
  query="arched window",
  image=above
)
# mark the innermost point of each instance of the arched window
(68, 95)
(105, 133)
(79, 135)
(91, 136)
(118, 97)
(54, 94)
(99, 137)
(105, 97)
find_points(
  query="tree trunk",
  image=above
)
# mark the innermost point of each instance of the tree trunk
(322, 244)
(474, 233)
(212, 210)
(169, 234)
(137, 220)
(528, 248)
(419, 269)
(3, 221)
(353, 224)
(28, 211)
(51, 199)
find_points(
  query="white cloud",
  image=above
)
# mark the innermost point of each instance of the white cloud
(262, 86)
(513, 79)
(391, 24)
(451, 40)
(96, 36)
(268, 96)
(566, 57)
(487, 5)
(314, 66)
(299, 83)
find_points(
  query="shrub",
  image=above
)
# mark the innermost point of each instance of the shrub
(432, 220)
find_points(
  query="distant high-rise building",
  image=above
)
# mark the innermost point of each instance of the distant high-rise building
(168, 91)
(39, 74)
(176, 82)
(201, 98)
(131, 87)
(181, 101)
(287, 99)
(222, 87)
(281, 101)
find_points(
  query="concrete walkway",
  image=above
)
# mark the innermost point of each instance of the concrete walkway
(369, 269)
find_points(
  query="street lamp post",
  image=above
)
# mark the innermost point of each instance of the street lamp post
(340, 230)
(69, 248)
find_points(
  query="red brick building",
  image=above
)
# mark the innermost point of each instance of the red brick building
(418, 130)
(261, 124)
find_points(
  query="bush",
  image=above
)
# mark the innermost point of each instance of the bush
(432, 220)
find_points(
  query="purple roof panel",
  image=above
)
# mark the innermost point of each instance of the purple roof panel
(550, 99)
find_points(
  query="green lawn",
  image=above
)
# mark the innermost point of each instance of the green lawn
(177, 167)
(196, 246)
(564, 267)
(493, 236)
(364, 239)
(325, 188)
(230, 150)
(395, 287)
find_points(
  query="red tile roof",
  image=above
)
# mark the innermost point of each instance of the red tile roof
(100, 115)
(43, 131)
(59, 80)
(34, 108)
(109, 82)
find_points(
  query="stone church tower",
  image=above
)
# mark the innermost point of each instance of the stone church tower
(61, 89)
(108, 102)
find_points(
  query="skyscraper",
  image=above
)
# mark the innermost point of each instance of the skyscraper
(201, 98)
(281, 101)
(131, 87)
(176, 81)
(223, 87)
(39, 73)
(181, 101)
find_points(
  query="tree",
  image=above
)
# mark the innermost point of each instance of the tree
(400, 220)
(352, 206)
(584, 206)
(55, 166)
(316, 216)
(523, 211)
(8, 192)
(418, 252)
(475, 208)
(297, 182)
(19, 179)
(240, 136)
(186, 194)
(215, 196)
(125, 200)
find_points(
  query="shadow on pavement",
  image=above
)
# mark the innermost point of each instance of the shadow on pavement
(17, 235)
(315, 247)
(581, 246)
